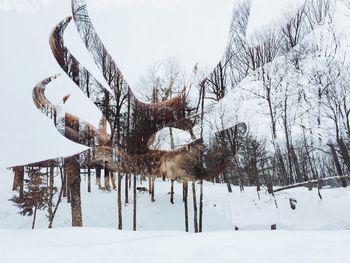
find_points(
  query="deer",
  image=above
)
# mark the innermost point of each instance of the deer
(142, 189)
(133, 123)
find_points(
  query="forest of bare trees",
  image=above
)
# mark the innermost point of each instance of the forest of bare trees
(296, 76)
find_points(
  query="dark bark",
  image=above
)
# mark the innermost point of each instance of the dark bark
(98, 176)
(34, 217)
(185, 196)
(126, 188)
(201, 207)
(68, 185)
(172, 192)
(336, 160)
(195, 211)
(51, 193)
(63, 178)
(134, 209)
(152, 189)
(72, 168)
(89, 179)
(106, 179)
(18, 180)
(120, 215)
(227, 181)
(344, 153)
(296, 164)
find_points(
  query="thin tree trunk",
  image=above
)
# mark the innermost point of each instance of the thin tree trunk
(50, 188)
(172, 192)
(113, 180)
(126, 188)
(336, 160)
(227, 181)
(195, 211)
(201, 207)
(58, 200)
(344, 153)
(149, 184)
(120, 215)
(64, 182)
(34, 217)
(185, 195)
(152, 193)
(106, 179)
(296, 164)
(134, 210)
(98, 176)
(89, 180)
(68, 185)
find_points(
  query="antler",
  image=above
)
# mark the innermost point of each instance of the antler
(67, 124)
(146, 120)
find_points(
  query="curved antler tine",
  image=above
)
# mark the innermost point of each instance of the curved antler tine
(92, 88)
(67, 124)
(93, 43)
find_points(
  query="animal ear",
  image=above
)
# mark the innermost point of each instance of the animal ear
(65, 98)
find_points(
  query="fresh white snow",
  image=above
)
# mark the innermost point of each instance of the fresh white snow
(316, 231)
(92, 245)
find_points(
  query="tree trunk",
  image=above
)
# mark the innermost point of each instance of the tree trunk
(152, 191)
(120, 215)
(18, 180)
(72, 168)
(106, 179)
(201, 207)
(98, 176)
(195, 212)
(126, 188)
(227, 181)
(172, 192)
(64, 182)
(68, 185)
(50, 200)
(336, 160)
(296, 164)
(134, 210)
(113, 180)
(34, 217)
(185, 195)
(89, 180)
(149, 184)
(344, 153)
(58, 200)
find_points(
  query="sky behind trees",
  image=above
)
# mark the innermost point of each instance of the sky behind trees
(138, 34)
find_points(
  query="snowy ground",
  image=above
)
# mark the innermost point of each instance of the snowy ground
(109, 245)
(222, 210)
(316, 231)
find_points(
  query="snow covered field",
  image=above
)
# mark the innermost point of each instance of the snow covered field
(316, 231)
(109, 245)
(222, 210)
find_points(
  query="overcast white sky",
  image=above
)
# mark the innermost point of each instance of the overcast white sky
(137, 32)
